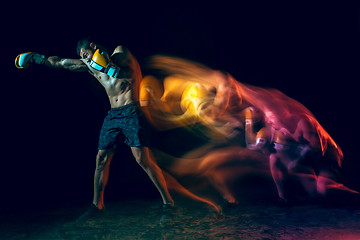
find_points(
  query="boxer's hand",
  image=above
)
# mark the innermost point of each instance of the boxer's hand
(249, 115)
(23, 60)
(99, 61)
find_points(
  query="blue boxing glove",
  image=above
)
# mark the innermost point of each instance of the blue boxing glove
(23, 60)
(101, 63)
(112, 70)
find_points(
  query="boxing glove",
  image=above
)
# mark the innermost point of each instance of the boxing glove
(249, 115)
(262, 138)
(101, 63)
(23, 60)
(112, 70)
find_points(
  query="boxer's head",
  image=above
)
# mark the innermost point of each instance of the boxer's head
(86, 49)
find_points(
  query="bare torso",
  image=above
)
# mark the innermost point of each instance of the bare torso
(119, 90)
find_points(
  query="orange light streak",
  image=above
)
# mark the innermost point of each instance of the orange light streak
(191, 93)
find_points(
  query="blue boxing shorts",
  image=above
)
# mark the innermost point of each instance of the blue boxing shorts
(126, 122)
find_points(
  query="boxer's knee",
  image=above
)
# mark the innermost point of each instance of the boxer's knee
(103, 157)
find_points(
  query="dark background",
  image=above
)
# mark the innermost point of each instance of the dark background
(51, 118)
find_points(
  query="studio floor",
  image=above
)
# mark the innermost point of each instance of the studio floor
(140, 219)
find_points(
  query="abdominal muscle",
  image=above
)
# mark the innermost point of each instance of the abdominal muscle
(119, 91)
(121, 99)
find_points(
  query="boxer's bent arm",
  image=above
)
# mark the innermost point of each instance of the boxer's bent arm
(70, 64)
(121, 56)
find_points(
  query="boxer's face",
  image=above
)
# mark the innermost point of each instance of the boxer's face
(86, 54)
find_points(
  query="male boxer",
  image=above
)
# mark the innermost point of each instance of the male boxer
(299, 155)
(118, 74)
(314, 158)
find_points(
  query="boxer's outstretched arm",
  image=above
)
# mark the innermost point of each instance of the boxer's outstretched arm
(70, 64)
(24, 60)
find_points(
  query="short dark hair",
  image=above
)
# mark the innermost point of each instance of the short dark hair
(83, 43)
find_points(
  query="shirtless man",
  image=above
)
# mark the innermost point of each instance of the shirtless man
(311, 155)
(299, 155)
(118, 74)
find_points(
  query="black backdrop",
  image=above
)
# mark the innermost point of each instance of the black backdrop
(51, 118)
